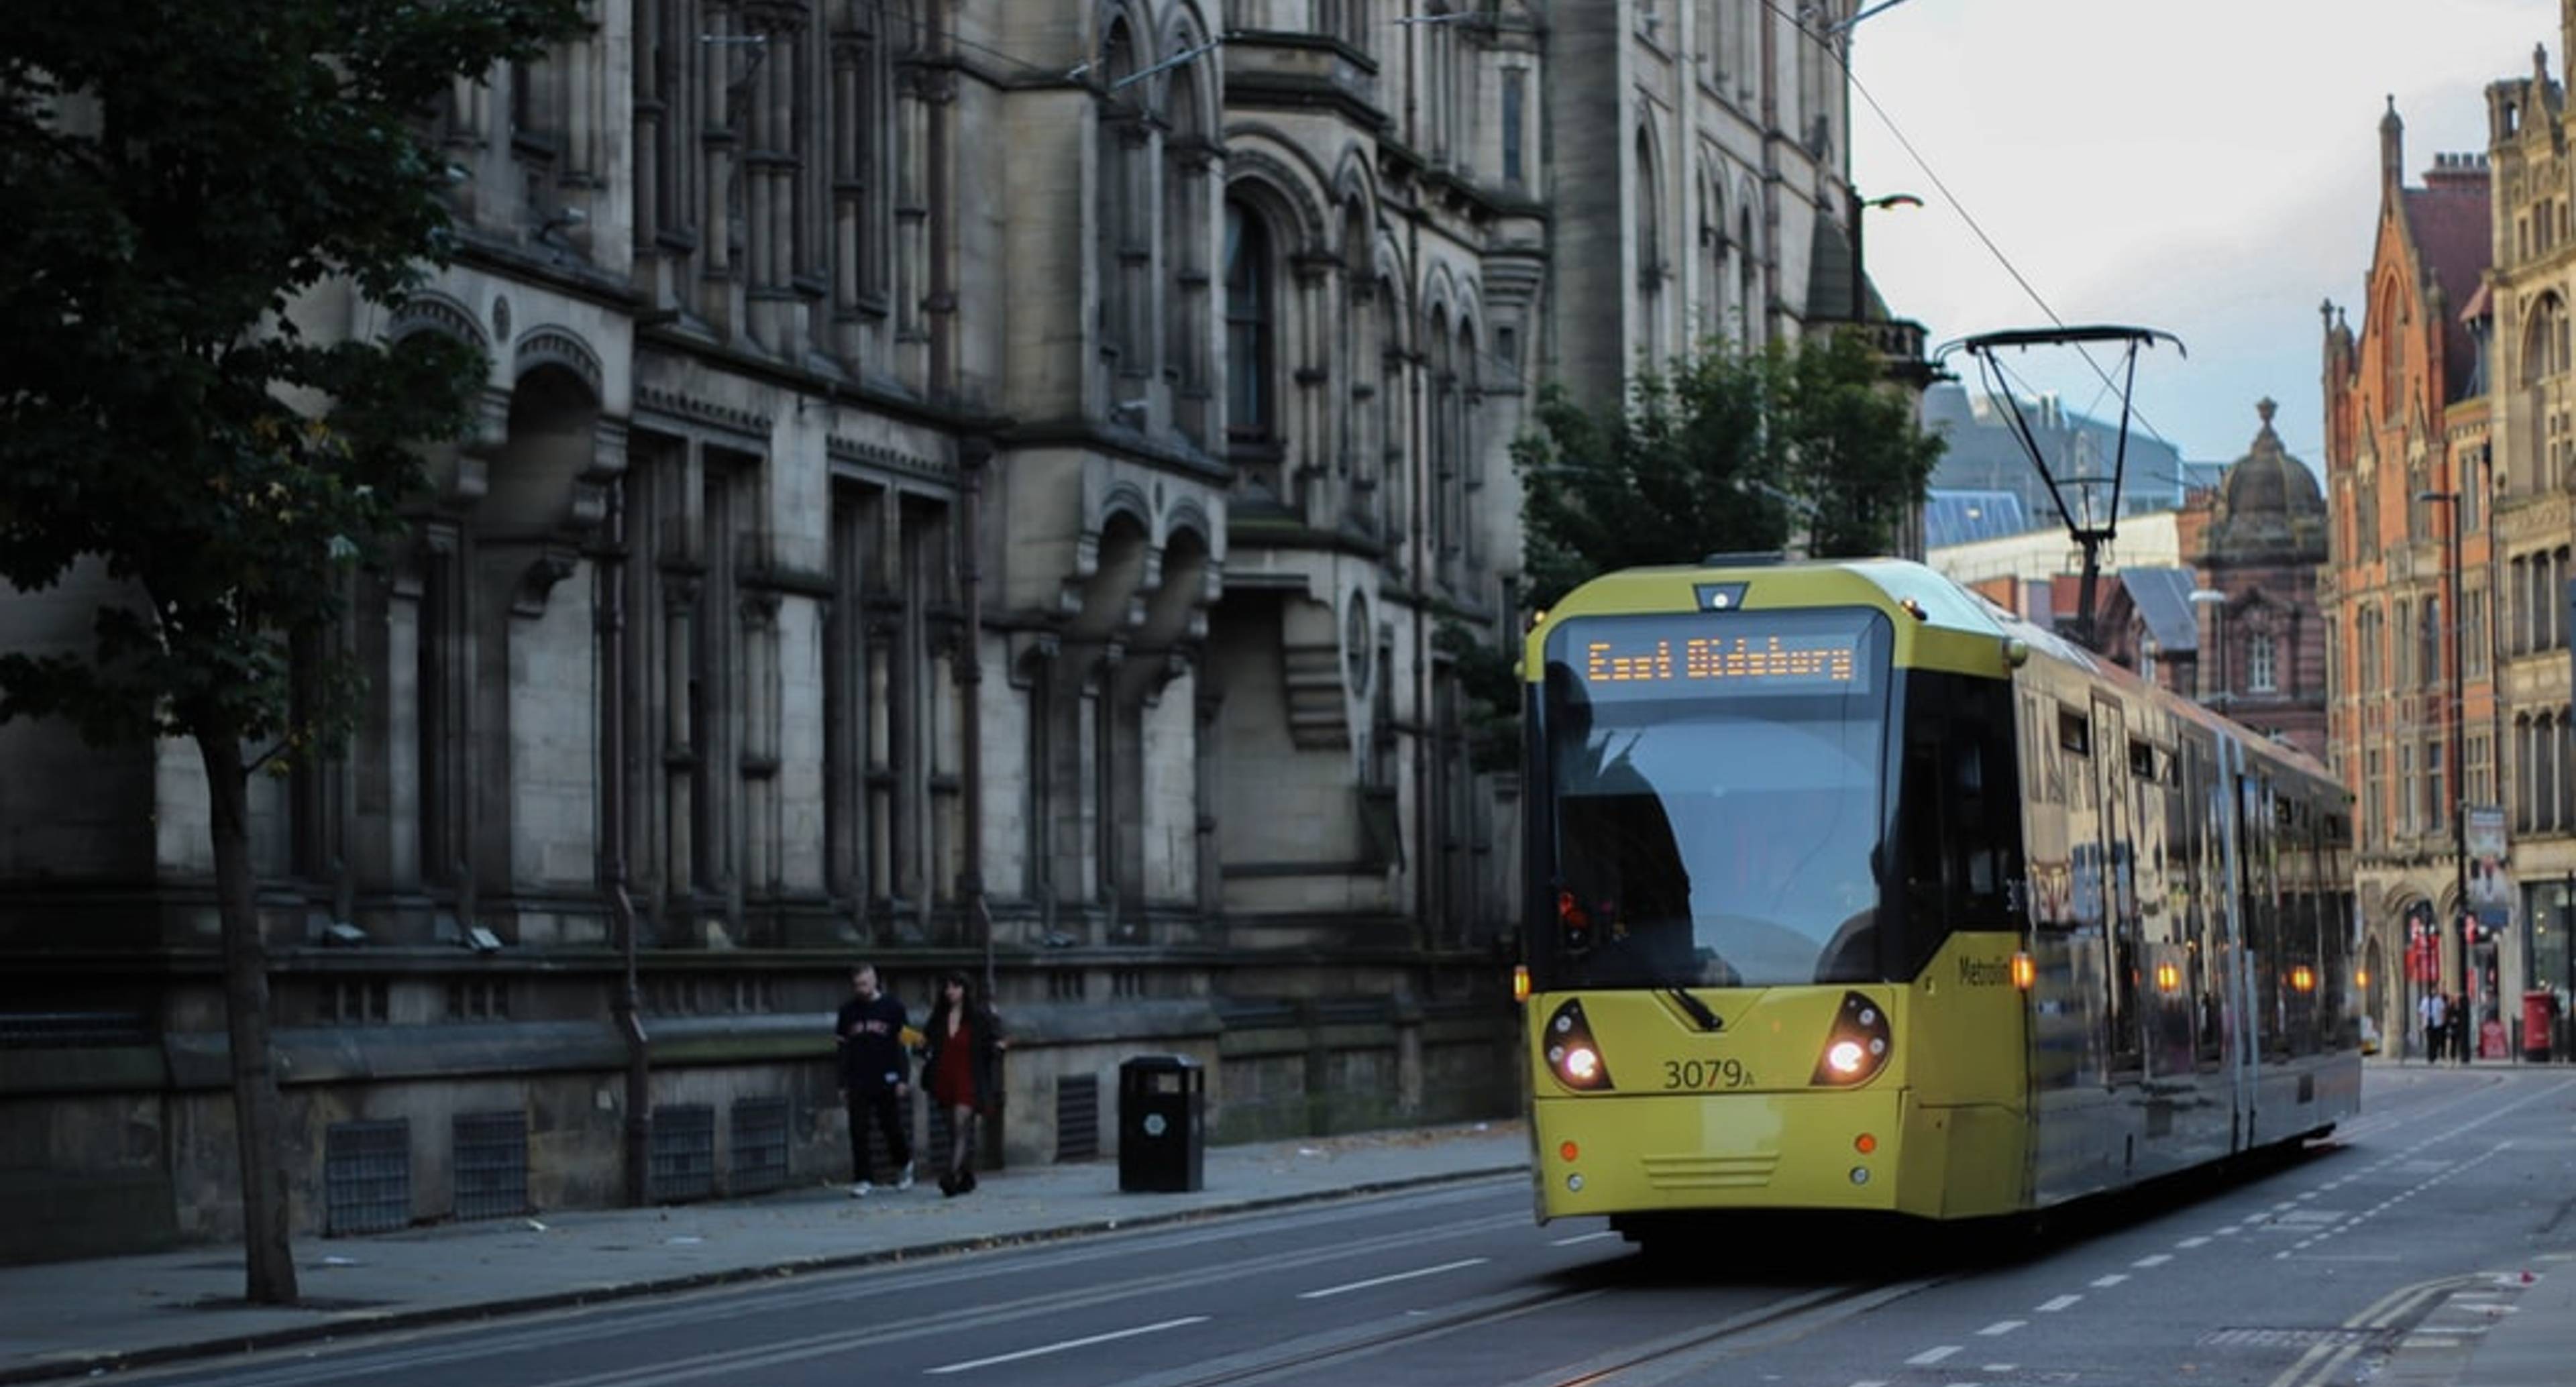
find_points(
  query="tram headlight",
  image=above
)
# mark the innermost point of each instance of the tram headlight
(1857, 1047)
(1572, 1054)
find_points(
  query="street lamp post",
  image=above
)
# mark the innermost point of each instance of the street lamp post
(2459, 720)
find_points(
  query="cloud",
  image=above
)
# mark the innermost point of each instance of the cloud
(2207, 167)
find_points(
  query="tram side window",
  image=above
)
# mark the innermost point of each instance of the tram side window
(2297, 974)
(1961, 821)
(2338, 983)
(2261, 886)
(2206, 798)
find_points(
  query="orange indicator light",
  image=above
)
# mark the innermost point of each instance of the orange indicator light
(2303, 978)
(2168, 978)
(2024, 971)
(1566, 1153)
(1520, 982)
(2361, 977)
(1864, 1143)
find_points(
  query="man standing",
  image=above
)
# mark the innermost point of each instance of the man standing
(2435, 1032)
(875, 1077)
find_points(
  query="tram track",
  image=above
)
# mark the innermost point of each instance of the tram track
(1628, 1365)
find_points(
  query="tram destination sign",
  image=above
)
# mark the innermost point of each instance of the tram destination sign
(1741, 656)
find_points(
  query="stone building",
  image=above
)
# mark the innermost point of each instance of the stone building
(958, 486)
(1701, 190)
(2406, 423)
(2528, 463)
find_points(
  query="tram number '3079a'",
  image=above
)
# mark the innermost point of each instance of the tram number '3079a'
(1697, 1074)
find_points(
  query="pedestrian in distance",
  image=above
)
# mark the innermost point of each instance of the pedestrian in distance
(962, 1069)
(876, 1077)
(2435, 1032)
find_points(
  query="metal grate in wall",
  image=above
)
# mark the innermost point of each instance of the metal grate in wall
(759, 1145)
(491, 1164)
(46, 1029)
(1077, 1117)
(684, 1152)
(366, 1177)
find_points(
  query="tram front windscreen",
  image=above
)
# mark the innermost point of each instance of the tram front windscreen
(1714, 799)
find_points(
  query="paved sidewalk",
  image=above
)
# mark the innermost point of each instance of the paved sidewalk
(70, 1318)
(2502, 1329)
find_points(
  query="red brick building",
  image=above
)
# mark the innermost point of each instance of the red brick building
(2262, 646)
(2405, 421)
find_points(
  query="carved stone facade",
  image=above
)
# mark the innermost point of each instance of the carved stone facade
(1701, 181)
(960, 485)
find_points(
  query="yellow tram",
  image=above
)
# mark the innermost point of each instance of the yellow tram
(1851, 891)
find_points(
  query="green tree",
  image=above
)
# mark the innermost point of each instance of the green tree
(1727, 451)
(1856, 458)
(182, 179)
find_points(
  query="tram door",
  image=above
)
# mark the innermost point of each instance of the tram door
(2119, 1011)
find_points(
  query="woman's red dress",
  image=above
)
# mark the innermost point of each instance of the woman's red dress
(952, 1076)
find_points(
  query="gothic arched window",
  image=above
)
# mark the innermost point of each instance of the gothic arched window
(1463, 439)
(1444, 389)
(2260, 674)
(2544, 340)
(1189, 179)
(1650, 245)
(1123, 246)
(2428, 668)
(1250, 414)
(1748, 325)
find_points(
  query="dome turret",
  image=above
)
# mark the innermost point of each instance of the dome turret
(2269, 506)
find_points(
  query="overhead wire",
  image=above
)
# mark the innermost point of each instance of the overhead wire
(1798, 20)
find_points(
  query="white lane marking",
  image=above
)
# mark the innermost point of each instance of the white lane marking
(2230, 1231)
(2002, 1327)
(2157, 1260)
(1871, 1382)
(1043, 1349)
(2193, 1242)
(1389, 1280)
(2113, 1279)
(1583, 1238)
(1930, 1356)
(2056, 1303)
(2001, 1368)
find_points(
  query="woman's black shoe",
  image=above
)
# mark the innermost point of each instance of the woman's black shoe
(965, 1181)
(948, 1185)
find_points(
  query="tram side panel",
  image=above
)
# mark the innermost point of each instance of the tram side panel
(2069, 1118)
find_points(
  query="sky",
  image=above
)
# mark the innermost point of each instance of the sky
(2209, 168)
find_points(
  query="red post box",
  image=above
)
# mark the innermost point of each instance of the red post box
(2539, 1018)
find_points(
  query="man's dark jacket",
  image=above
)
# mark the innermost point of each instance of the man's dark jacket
(872, 1059)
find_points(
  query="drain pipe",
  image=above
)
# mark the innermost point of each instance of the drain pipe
(629, 1007)
(974, 453)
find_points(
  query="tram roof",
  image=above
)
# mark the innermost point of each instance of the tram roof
(1892, 585)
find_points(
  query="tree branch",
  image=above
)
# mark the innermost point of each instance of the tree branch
(260, 762)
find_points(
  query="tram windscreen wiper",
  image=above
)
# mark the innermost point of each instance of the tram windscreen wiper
(1697, 1009)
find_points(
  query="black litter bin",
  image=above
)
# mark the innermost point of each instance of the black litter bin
(1162, 1125)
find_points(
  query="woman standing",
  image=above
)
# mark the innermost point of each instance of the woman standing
(963, 1070)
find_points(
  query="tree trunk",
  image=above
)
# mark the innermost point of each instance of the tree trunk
(256, 1107)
